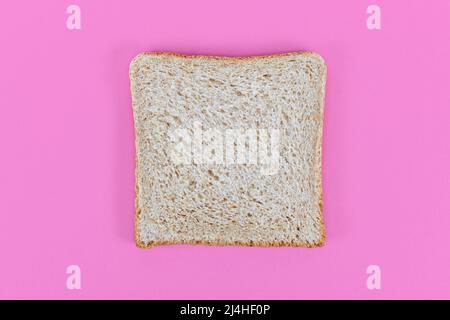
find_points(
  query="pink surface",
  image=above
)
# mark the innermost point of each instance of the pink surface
(67, 149)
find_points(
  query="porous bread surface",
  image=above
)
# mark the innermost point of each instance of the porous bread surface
(229, 204)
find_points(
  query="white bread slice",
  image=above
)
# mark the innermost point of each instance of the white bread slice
(228, 204)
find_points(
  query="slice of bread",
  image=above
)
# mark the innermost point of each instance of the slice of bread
(197, 180)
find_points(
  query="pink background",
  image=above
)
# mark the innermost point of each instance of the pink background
(67, 149)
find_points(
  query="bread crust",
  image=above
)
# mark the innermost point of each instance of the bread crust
(321, 242)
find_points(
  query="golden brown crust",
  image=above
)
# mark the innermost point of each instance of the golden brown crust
(229, 58)
(141, 244)
(267, 244)
(319, 154)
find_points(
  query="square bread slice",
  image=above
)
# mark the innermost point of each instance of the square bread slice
(228, 150)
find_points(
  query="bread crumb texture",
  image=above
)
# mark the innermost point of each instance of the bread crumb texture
(220, 204)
